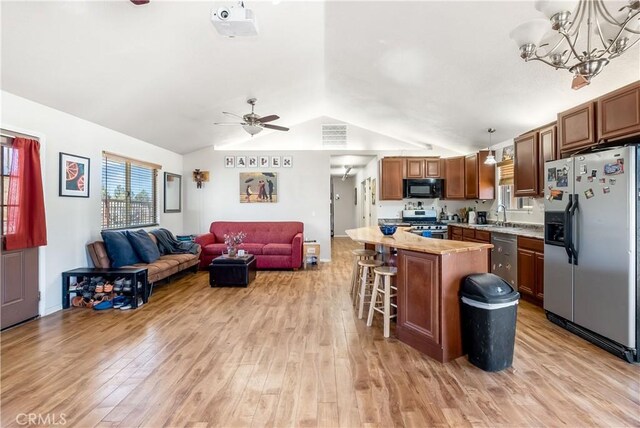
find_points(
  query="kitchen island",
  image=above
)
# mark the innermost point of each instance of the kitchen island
(430, 273)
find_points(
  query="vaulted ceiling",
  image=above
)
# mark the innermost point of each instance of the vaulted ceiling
(434, 72)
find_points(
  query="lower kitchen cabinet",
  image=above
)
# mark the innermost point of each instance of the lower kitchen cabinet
(455, 233)
(531, 269)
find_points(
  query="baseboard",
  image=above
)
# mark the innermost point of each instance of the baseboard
(51, 310)
(340, 236)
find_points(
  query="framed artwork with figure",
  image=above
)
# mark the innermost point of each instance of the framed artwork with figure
(258, 187)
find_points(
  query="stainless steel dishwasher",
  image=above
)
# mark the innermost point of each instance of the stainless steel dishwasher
(504, 257)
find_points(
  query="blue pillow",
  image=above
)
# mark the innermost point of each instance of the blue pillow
(120, 251)
(146, 249)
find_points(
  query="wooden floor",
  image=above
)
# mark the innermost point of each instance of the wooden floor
(288, 351)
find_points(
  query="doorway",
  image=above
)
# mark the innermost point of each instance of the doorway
(19, 294)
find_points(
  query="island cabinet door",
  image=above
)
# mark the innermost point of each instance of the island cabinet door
(419, 300)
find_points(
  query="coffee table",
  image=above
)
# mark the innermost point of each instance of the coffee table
(239, 271)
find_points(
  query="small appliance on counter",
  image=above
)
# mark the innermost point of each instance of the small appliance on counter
(471, 215)
(482, 217)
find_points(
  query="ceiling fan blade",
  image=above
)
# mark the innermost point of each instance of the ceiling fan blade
(232, 114)
(276, 127)
(269, 118)
(230, 123)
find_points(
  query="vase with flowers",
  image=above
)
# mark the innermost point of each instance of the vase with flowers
(232, 240)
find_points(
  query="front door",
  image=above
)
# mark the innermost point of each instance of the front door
(19, 294)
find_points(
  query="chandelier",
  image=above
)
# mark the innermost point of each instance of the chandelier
(580, 36)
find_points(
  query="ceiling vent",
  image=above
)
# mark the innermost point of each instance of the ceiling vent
(334, 135)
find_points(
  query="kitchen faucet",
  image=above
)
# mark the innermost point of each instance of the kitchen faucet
(504, 211)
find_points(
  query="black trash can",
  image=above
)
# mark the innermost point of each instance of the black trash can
(489, 309)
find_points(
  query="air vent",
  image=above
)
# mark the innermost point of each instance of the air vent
(334, 135)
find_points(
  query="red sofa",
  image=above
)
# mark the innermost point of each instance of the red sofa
(276, 244)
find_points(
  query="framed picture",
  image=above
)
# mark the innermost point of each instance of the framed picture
(275, 161)
(241, 161)
(74, 175)
(507, 153)
(287, 162)
(263, 161)
(258, 187)
(172, 193)
(252, 161)
(229, 162)
(373, 191)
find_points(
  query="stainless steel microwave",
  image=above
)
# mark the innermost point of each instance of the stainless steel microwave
(424, 188)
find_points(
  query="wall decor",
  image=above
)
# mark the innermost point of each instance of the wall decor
(229, 161)
(373, 191)
(275, 161)
(241, 161)
(261, 187)
(507, 153)
(263, 161)
(200, 177)
(252, 161)
(74, 175)
(287, 161)
(172, 193)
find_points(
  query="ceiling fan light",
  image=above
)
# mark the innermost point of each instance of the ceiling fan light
(252, 129)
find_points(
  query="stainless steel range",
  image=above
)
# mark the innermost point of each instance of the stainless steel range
(425, 223)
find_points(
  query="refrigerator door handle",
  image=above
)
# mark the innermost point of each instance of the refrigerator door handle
(567, 229)
(572, 216)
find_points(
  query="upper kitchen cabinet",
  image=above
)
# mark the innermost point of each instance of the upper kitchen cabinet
(454, 177)
(471, 176)
(392, 170)
(576, 127)
(619, 113)
(479, 178)
(526, 170)
(432, 168)
(548, 151)
(422, 168)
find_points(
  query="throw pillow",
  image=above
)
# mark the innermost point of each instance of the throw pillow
(146, 249)
(120, 251)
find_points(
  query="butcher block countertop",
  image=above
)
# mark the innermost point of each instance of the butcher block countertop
(405, 240)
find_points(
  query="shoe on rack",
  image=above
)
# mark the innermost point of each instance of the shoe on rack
(119, 301)
(105, 304)
(117, 285)
(126, 306)
(127, 286)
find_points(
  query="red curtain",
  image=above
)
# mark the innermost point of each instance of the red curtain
(26, 224)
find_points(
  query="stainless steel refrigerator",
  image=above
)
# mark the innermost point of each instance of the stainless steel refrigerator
(590, 260)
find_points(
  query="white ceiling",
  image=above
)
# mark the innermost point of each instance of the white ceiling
(434, 72)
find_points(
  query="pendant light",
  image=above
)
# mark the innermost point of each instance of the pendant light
(491, 158)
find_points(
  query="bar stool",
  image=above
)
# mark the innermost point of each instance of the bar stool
(366, 282)
(383, 287)
(358, 255)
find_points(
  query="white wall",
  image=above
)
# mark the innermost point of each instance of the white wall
(344, 209)
(303, 193)
(74, 222)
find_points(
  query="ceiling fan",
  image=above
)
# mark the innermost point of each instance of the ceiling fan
(251, 122)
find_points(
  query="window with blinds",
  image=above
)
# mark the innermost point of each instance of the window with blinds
(129, 196)
(506, 189)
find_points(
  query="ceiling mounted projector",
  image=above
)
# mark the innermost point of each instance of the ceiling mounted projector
(234, 21)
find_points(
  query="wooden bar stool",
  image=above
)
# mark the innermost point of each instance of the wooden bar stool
(389, 291)
(356, 272)
(366, 282)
